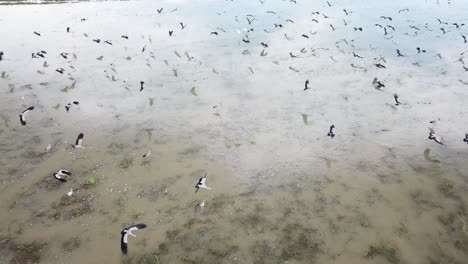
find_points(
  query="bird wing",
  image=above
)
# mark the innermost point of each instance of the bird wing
(136, 227)
(123, 243)
(79, 139)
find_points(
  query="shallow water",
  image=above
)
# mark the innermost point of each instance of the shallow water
(282, 191)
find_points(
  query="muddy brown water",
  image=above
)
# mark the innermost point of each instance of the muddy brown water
(282, 191)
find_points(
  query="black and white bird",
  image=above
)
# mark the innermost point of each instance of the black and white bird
(61, 175)
(79, 141)
(147, 154)
(125, 233)
(433, 136)
(466, 138)
(141, 85)
(330, 133)
(69, 105)
(201, 184)
(24, 113)
(1, 55)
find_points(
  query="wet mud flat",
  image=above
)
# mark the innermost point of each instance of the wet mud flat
(224, 96)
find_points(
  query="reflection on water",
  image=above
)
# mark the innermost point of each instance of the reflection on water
(224, 95)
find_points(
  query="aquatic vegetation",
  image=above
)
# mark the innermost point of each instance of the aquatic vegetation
(91, 181)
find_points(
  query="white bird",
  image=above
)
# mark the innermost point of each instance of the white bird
(433, 136)
(70, 193)
(23, 115)
(48, 147)
(79, 141)
(201, 184)
(202, 204)
(61, 174)
(128, 231)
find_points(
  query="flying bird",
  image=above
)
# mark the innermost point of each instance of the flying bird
(377, 84)
(466, 138)
(141, 85)
(306, 85)
(159, 10)
(330, 133)
(201, 184)
(125, 233)
(397, 103)
(433, 136)
(79, 141)
(182, 25)
(24, 113)
(61, 175)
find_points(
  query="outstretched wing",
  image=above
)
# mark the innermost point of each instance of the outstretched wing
(136, 227)
(123, 243)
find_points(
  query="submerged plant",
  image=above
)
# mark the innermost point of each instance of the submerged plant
(91, 181)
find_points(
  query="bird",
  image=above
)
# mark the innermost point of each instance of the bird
(214, 33)
(250, 21)
(124, 36)
(60, 70)
(159, 10)
(141, 85)
(358, 28)
(48, 147)
(402, 10)
(432, 136)
(61, 175)
(64, 55)
(37, 33)
(264, 44)
(79, 141)
(201, 184)
(69, 105)
(395, 96)
(182, 25)
(306, 86)
(147, 154)
(420, 50)
(97, 40)
(202, 204)
(385, 17)
(108, 42)
(399, 53)
(70, 193)
(377, 84)
(23, 115)
(125, 233)
(1, 55)
(68, 29)
(357, 55)
(330, 133)
(466, 138)
(381, 66)
(170, 32)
